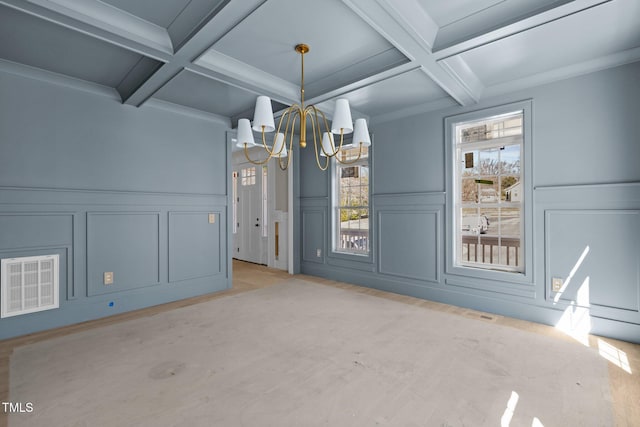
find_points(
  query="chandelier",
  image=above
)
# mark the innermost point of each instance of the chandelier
(323, 140)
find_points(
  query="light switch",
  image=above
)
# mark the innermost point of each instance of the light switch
(212, 218)
(108, 277)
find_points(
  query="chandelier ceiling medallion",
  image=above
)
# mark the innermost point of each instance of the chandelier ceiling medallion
(323, 140)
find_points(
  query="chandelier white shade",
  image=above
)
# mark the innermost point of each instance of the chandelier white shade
(263, 115)
(361, 133)
(244, 134)
(324, 143)
(342, 122)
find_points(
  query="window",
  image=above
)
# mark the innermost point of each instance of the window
(351, 202)
(488, 202)
(248, 176)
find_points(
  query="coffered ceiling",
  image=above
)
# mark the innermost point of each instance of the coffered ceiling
(388, 57)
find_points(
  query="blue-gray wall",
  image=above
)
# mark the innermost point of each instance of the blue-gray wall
(586, 193)
(114, 188)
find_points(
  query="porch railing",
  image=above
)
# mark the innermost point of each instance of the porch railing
(354, 240)
(474, 248)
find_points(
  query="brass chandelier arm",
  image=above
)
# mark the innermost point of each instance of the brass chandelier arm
(264, 143)
(255, 162)
(312, 108)
(294, 110)
(316, 132)
(288, 131)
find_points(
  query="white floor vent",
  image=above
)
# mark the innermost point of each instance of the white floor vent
(29, 284)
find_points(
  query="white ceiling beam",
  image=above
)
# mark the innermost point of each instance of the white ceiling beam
(397, 34)
(458, 68)
(222, 20)
(229, 70)
(542, 18)
(99, 20)
(415, 19)
(367, 81)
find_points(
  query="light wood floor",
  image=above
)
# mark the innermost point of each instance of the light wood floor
(625, 387)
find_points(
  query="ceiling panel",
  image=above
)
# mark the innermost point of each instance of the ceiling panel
(338, 39)
(191, 17)
(446, 12)
(202, 93)
(580, 37)
(161, 13)
(407, 90)
(179, 17)
(42, 44)
(482, 17)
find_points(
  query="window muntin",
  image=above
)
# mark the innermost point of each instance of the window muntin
(248, 176)
(488, 196)
(351, 203)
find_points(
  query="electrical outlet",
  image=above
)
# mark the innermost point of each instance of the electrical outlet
(318, 252)
(108, 278)
(212, 218)
(556, 284)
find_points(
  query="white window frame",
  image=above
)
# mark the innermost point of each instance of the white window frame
(454, 266)
(335, 211)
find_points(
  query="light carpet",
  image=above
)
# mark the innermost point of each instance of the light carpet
(305, 354)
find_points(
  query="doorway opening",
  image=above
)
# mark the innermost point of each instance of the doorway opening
(260, 212)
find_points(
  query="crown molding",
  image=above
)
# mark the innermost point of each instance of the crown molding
(416, 20)
(438, 104)
(101, 21)
(34, 73)
(187, 111)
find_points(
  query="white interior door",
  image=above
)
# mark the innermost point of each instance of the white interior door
(248, 239)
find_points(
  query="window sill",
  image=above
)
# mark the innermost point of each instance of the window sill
(469, 272)
(350, 256)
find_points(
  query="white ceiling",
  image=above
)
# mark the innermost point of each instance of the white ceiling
(447, 12)
(388, 57)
